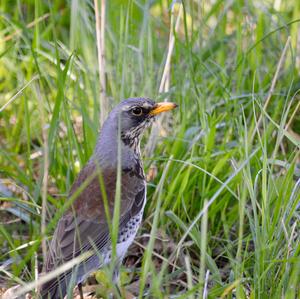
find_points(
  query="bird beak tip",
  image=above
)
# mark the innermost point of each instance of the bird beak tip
(163, 107)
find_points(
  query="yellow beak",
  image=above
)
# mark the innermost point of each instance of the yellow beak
(162, 107)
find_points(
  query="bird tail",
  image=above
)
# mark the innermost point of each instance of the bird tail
(56, 288)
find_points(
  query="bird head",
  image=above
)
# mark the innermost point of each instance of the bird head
(134, 115)
(137, 114)
(130, 118)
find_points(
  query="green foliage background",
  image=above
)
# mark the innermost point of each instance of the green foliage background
(225, 65)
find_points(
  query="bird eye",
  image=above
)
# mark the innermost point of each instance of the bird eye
(137, 111)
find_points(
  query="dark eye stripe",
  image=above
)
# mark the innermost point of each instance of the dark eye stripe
(145, 110)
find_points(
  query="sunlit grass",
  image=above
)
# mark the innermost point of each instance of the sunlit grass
(226, 192)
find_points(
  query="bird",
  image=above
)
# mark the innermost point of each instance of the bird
(84, 227)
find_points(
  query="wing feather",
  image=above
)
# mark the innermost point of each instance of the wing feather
(86, 220)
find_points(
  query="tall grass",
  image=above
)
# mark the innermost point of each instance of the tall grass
(226, 193)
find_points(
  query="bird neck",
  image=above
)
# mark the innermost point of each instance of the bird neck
(106, 151)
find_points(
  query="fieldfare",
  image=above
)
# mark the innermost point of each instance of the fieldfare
(84, 227)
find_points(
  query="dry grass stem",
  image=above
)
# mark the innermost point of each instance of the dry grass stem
(165, 80)
(205, 289)
(100, 36)
(47, 277)
(28, 26)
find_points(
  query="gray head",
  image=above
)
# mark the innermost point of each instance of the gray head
(132, 116)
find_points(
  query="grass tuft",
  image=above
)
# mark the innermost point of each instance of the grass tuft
(223, 211)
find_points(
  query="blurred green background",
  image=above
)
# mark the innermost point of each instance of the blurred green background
(233, 143)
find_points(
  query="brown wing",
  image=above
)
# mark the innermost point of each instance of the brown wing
(85, 224)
